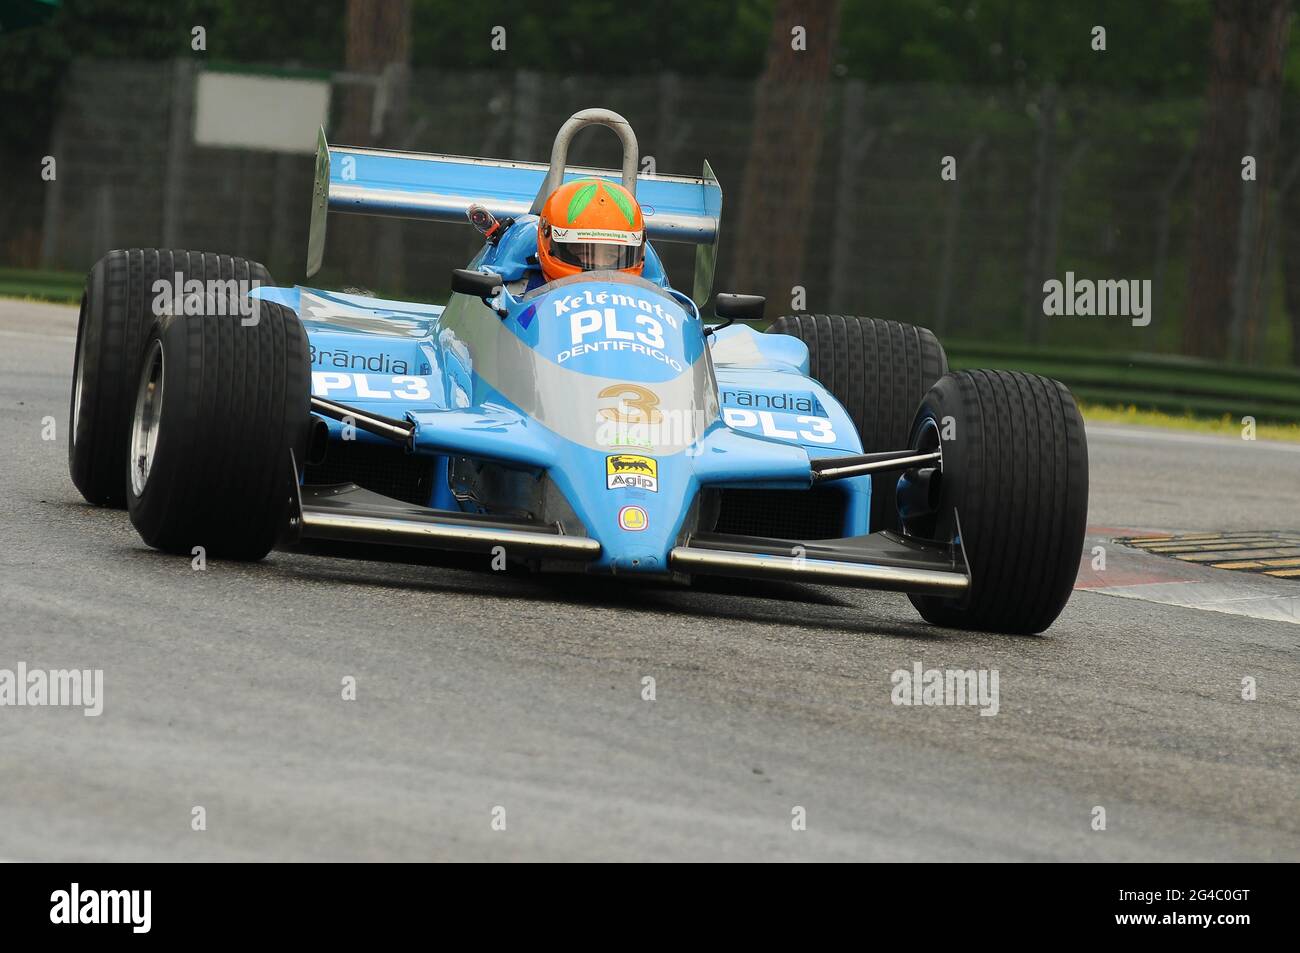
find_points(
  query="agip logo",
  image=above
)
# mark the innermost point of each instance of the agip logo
(631, 471)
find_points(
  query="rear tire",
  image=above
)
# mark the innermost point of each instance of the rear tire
(218, 407)
(116, 314)
(879, 370)
(1015, 478)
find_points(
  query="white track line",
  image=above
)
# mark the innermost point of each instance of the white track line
(1237, 598)
(38, 336)
(1104, 432)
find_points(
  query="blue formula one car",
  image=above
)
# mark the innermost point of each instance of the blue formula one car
(590, 422)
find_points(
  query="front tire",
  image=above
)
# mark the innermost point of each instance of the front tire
(218, 407)
(1014, 487)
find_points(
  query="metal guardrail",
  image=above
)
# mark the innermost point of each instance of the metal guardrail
(1168, 383)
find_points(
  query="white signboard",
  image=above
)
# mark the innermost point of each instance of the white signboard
(247, 111)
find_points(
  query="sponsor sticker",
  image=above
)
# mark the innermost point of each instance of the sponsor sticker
(633, 519)
(631, 471)
(370, 386)
(602, 236)
(599, 330)
(804, 429)
(376, 363)
(803, 402)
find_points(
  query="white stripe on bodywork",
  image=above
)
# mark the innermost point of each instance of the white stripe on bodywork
(739, 349)
(316, 309)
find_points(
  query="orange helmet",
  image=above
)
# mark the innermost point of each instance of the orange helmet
(590, 225)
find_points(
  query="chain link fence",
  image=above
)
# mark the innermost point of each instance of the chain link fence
(1045, 182)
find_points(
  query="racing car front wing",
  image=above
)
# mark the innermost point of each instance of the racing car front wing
(347, 513)
(880, 560)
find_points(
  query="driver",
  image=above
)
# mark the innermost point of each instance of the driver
(590, 225)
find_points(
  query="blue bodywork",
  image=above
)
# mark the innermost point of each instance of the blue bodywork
(603, 387)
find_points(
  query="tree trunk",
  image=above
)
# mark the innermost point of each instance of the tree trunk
(378, 45)
(1248, 38)
(1289, 245)
(785, 144)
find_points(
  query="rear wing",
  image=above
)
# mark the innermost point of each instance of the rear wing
(441, 188)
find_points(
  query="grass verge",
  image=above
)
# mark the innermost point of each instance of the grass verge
(1224, 426)
(61, 286)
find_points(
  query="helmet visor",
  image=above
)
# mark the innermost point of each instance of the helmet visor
(596, 249)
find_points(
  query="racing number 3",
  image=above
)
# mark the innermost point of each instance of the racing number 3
(636, 405)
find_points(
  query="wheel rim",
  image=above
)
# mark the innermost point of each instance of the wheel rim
(925, 439)
(148, 415)
(78, 377)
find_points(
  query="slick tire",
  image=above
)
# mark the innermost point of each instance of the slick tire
(1013, 487)
(219, 411)
(116, 314)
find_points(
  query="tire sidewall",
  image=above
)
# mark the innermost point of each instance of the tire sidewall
(960, 445)
(77, 415)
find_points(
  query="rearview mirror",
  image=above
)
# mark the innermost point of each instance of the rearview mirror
(477, 283)
(739, 307)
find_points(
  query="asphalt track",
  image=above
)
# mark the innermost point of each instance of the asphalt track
(478, 690)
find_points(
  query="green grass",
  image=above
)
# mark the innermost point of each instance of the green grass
(1225, 426)
(61, 286)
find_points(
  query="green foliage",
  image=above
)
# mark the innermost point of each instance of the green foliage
(308, 33)
(609, 37)
(33, 60)
(1155, 47)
